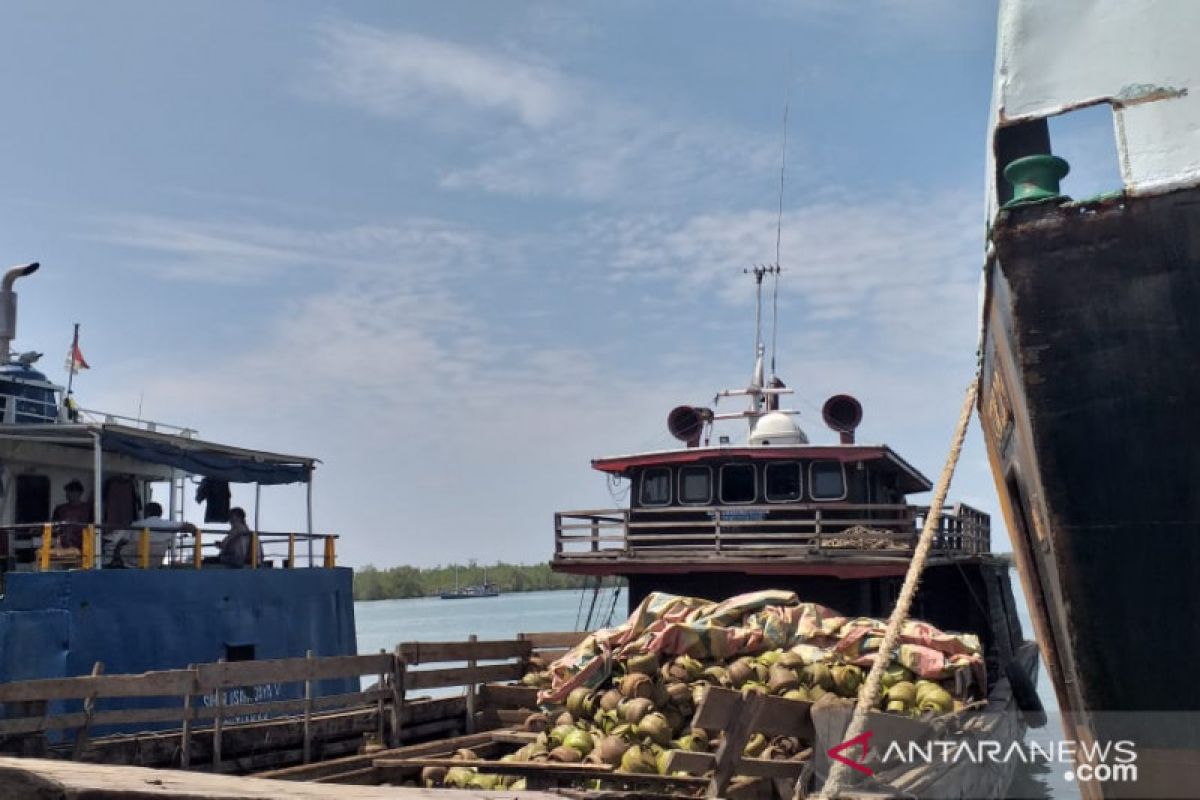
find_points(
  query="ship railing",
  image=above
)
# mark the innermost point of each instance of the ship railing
(93, 415)
(54, 546)
(24, 410)
(797, 529)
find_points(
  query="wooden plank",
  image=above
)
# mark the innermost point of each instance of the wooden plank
(306, 748)
(499, 695)
(460, 676)
(415, 653)
(310, 772)
(567, 639)
(288, 670)
(499, 767)
(737, 733)
(472, 688)
(779, 716)
(162, 748)
(149, 684)
(48, 778)
(62, 721)
(514, 737)
(89, 710)
(699, 763)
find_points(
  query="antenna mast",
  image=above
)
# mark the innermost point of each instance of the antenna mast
(779, 234)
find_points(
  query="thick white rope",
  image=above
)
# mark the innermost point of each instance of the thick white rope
(870, 694)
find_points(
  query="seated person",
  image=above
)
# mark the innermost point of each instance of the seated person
(121, 548)
(235, 547)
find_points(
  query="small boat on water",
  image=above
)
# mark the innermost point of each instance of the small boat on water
(484, 589)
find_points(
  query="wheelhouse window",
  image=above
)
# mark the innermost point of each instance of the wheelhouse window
(695, 485)
(738, 483)
(656, 487)
(783, 482)
(827, 480)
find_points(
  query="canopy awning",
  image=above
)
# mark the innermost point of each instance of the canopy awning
(193, 456)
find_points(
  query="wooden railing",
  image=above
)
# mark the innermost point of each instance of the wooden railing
(190, 713)
(738, 531)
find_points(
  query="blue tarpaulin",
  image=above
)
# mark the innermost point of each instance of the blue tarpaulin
(195, 458)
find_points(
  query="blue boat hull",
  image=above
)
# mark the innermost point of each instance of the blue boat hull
(59, 624)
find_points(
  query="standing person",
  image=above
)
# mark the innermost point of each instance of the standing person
(74, 511)
(235, 547)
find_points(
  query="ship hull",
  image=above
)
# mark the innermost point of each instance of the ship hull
(1089, 403)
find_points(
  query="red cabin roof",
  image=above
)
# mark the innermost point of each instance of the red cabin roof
(911, 480)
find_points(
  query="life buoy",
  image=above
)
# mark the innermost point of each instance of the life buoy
(1025, 694)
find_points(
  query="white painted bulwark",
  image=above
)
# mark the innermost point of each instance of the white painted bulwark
(1139, 56)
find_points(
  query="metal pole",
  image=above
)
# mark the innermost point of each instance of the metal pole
(257, 495)
(310, 527)
(97, 497)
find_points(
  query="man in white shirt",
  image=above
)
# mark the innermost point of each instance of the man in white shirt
(121, 549)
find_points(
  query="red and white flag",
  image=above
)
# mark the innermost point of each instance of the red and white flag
(75, 360)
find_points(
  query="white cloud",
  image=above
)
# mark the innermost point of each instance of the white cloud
(403, 74)
(903, 269)
(571, 139)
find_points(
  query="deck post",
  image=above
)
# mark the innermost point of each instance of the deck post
(217, 722)
(717, 528)
(308, 706)
(817, 521)
(308, 502)
(291, 561)
(185, 739)
(144, 549)
(398, 669)
(47, 543)
(471, 664)
(379, 687)
(595, 534)
(97, 496)
(89, 710)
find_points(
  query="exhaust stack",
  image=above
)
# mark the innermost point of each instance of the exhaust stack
(8, 307)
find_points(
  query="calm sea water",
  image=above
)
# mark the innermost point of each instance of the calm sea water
(383, 623)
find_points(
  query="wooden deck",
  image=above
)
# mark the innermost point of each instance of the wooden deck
(45, 779)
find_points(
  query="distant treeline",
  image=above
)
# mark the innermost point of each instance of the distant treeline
(399, 582)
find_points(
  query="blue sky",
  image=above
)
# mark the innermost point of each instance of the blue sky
(458, 249)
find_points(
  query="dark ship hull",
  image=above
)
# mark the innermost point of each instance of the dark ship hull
(1089, 404)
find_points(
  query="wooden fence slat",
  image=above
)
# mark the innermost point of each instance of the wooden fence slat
(460, 676)
(494, 695)
(415, 653)
(223, 675)
(168, 683)
(567, 639)
(128, 716)
(306, 747)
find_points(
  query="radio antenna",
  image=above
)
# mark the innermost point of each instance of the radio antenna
(779, 233)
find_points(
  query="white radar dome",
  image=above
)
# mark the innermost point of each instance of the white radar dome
(777, 427)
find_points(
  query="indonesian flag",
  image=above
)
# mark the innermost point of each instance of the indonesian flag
(75, 360)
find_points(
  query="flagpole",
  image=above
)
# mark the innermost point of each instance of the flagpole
(71, 370)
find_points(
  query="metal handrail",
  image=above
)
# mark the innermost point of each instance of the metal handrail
(806, 528)
(181, 550)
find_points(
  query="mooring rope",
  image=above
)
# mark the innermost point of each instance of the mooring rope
(870, 694)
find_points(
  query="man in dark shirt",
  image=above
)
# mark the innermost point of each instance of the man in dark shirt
(75, 512)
